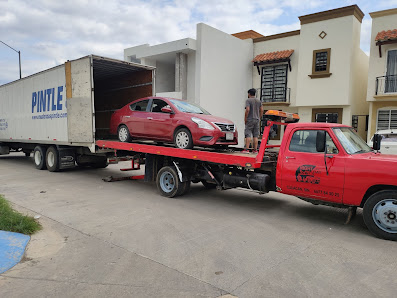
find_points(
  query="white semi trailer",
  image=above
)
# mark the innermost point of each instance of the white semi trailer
(59, 113)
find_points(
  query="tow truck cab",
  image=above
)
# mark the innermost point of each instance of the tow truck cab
(330, 164)
(344, 172)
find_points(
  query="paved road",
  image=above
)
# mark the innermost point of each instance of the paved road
(121, 238)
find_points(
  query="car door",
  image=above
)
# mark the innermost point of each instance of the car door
(159, 125)
(311, 174)
(137, 118)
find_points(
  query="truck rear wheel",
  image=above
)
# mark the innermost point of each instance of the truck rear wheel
(39, 154)
(168, 182)
(52, 159)
(184, 189)
(380, 214)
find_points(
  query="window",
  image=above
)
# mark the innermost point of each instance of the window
(305, 141)
(321, 63)
(387, 137)
(274, 83)
(140, 105)
(387, 119)
(351, 141)
(158, 104)
(391, 72)
(327, 117)
(186, 107)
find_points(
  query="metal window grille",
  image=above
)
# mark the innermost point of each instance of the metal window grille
(327, 117)
(387, 119)
(274, 83)
(321, 61)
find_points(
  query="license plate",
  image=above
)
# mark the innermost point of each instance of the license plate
(229, 136)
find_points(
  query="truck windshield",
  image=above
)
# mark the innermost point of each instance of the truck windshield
(186, 107)
(352, 142)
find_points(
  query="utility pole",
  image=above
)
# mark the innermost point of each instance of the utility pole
(19, 55)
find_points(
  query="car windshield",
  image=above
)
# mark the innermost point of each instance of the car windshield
(350, 141)
(388, 138)
(186, 107)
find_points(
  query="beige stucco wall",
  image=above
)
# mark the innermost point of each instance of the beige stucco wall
(336, 88)
(377, 66)
(223, 74)
(280, 44)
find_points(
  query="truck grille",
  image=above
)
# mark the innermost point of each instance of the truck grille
(225, 127)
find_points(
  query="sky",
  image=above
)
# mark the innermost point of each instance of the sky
(49, 32)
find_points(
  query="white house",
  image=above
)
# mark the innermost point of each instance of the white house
(382, 74)
(318, 71)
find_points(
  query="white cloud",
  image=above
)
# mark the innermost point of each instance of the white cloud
(48, 32)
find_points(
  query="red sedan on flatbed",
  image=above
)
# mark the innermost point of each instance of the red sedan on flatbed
(172, 120)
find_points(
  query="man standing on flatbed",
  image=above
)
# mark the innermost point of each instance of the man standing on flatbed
(253, 114)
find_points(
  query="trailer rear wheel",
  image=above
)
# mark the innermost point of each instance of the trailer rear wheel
(39, 157)
(168, 182)
(52, 159)
(380, 214)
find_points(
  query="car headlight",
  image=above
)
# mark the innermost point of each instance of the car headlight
(202, 124)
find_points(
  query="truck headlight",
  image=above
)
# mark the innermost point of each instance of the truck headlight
(202, 124)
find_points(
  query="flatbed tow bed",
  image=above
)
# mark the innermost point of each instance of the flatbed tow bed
(232, 157)
(222, 170)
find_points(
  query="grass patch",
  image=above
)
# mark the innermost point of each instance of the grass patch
(13, 221)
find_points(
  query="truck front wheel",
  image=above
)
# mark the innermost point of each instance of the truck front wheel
(380, 214)
(52, 159)
(39, 154)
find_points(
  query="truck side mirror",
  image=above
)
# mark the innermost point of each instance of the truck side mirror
(376, 142)
(320, 141)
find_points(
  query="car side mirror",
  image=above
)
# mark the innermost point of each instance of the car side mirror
(320, 141)
(376, 142)
(166, 110)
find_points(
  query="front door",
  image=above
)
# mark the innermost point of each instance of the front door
(159, 124)
(311, 174)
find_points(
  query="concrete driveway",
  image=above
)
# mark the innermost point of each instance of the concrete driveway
(124, 239)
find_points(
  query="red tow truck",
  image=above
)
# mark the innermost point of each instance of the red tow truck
(321, 163)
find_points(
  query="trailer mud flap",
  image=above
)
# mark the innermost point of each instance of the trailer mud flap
(67, 158)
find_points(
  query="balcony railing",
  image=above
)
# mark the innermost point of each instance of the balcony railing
(386, 84)
(274, 95)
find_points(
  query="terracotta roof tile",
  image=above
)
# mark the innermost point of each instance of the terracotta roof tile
(386, 35)
(273, 56)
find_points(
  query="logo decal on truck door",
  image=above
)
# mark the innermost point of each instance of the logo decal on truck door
(307, 174)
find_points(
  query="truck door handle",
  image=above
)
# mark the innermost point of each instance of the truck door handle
(290, 157)
(150, 118)
(330, 156)
(127, 116)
